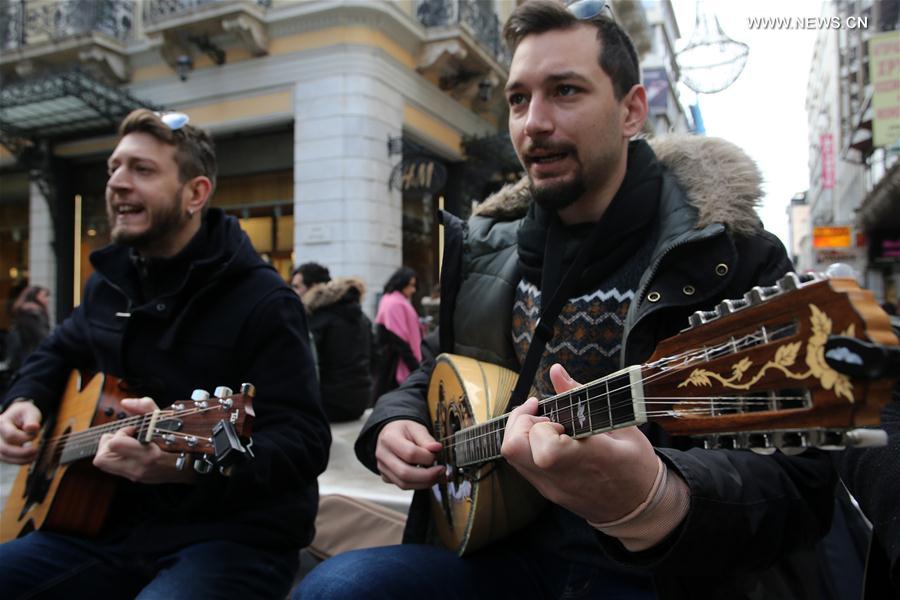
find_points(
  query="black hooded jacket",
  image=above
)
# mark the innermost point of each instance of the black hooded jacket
(213, 315)
(753, 520)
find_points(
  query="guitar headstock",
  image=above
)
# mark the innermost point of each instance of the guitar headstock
(753, 372)
(190, 425)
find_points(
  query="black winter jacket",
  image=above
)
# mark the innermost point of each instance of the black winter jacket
(228, 318)
(748, 512)
(343, 336)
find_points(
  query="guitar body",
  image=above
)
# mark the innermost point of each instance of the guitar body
(475, 507)
(67, 498)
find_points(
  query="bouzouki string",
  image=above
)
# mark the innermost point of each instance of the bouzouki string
(684, 358)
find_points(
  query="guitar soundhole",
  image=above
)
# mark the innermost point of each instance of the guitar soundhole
(42, 471)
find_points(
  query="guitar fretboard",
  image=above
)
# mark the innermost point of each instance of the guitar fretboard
(608, 403)
(85, 444)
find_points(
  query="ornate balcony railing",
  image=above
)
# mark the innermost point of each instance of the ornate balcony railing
(156, 11)
(477, 15)
(23, 22)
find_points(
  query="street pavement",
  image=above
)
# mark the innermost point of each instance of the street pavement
(344, 475)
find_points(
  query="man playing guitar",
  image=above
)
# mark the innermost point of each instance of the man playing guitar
(179, 301)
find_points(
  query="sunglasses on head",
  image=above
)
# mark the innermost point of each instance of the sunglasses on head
(174, 120)
(588, 9)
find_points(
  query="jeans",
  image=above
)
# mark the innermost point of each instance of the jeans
(420, 572)
(47, 565)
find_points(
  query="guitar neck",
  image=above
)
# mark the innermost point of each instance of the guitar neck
(608, 403)
(84, 444)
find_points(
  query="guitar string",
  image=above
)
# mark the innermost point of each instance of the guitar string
(90, 437)
(132, 420)
(74, 447)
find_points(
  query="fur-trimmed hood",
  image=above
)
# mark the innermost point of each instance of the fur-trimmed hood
(332, 292)
(718, 178)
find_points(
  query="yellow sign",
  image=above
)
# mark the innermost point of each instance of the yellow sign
(884, 73)
(831, 237)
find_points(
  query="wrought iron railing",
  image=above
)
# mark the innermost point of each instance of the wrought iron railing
(157, 11)
(23, 22)
(478, 15)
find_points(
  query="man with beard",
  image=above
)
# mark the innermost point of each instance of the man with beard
(179, 301)
(666, 230)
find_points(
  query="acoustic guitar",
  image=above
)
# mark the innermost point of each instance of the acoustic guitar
(754, 373)
(61, 491)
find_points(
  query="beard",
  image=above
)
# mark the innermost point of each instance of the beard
(555, 197)
(163, 223)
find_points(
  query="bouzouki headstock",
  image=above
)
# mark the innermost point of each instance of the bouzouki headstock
(753, 372)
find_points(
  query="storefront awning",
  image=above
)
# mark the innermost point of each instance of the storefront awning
(60, 107)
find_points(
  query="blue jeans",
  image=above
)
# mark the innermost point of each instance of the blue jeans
(47, 565)
(419, 572)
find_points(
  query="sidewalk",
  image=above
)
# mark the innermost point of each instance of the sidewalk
(344, 475)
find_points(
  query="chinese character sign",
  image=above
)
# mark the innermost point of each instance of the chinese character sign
(884, 73)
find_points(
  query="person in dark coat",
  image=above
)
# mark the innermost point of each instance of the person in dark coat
(343, 338)
(30, 325)
(179, 301)
(669, 229)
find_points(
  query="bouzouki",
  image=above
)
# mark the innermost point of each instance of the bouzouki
(62, 491)
(754, 373)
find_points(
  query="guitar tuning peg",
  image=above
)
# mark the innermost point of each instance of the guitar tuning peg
(248, 389)
(202, 466)
(223, 392)
(199, 394)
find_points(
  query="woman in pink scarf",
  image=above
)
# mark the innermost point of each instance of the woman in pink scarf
(399, 334)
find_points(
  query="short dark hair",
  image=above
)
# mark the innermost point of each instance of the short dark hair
(195, 153)
(312, 273)
(618, 57)
(399, 280)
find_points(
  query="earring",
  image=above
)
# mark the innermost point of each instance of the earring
(190, 213)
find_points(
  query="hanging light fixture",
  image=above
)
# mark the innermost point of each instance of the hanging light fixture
(711, 61)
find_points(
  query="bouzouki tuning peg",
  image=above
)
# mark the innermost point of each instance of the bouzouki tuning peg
(696, 319)
(199, 394)
(723, 308)
(223, 392)
(754, 296)
(248, 389)
(866, 438)
(789, 282)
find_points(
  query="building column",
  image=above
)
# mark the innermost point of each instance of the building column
(345, 216)
(41, 257)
